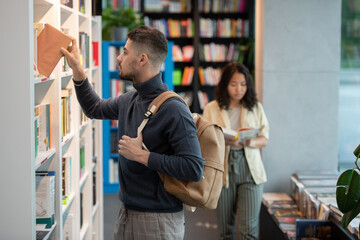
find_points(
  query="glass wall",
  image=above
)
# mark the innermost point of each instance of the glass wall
(349, 89)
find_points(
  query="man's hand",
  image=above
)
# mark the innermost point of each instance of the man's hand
(131, 148)
(72, 57)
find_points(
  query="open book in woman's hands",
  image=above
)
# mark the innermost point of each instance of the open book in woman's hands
(241, 134)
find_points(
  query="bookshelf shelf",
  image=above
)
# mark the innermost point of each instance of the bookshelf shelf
(42, 109)
(66, 207)
(66, 11)
(67, 139)
(44, 2)
(83, 126)
(94, 211)
(38, 80)
(66, 74)
(49, 231)
(84, 231)
(200, 15)
(83, 181)
(42, 157)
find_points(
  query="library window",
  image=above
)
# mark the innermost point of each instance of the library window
(349, 86)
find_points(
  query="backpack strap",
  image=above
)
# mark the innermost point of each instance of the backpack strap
(154, 107)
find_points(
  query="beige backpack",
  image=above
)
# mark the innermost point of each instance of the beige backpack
(206, 192)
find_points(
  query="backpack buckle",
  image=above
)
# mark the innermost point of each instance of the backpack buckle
(147, 114)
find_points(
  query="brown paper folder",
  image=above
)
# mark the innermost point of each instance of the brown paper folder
(49, 43)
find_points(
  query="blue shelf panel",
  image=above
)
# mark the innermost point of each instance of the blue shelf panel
(107, 129)
(111, 187)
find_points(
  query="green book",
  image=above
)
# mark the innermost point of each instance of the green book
(177, 74)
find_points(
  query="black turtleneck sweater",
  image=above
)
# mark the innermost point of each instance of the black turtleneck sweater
(170, 136)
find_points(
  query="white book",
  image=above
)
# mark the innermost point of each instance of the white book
(241, 134)
(69, 228)
(45, 198)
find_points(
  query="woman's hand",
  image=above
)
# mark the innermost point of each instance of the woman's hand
(233, 143)
(258, 142)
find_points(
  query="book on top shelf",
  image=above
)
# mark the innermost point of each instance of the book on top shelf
(241, 134)
(49, 44)
(271, 196)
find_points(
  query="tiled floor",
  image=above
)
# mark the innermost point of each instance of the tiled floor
(199, 225)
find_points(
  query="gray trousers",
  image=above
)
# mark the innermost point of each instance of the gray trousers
(133, 225)
(239, 205)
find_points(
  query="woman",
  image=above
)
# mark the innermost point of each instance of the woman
(236, 106)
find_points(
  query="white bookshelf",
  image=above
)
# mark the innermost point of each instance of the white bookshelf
(20, 91)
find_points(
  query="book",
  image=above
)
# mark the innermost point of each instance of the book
(45, 198)
(241, 134)
(313, 228)
(288, 220)
(323, 212)
(288, 213)
(44, 127)
(69, 227)
(272, 196)
(49, 44)
(285, 227)
(40, 235)
(66, 174)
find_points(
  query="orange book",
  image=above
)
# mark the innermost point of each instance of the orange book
(201, 76)
(49, 43)
(185, 76)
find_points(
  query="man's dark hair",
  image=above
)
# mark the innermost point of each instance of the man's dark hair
(221, 94)
(151, 41)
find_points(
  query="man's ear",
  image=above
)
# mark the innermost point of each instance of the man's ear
(143, 59)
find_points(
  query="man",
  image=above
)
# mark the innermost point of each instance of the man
(147, 210)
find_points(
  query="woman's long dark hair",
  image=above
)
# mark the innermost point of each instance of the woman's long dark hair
(221, 94)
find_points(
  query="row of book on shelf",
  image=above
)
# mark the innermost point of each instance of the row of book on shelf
(311, 204)
(42, 121)
(69, 3)
(171, 6)
(46, 193)
(172, 28)
(208, 76)
(205, 6)
(209, 27)
(223, 6)
(224, 28)
(211, 52)
(47, 44)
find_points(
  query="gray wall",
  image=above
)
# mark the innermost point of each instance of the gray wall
(300, 76)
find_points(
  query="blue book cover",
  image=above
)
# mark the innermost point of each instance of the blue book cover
(313, 228)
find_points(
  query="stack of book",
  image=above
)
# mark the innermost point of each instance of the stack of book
(310, 189)
(307, 211)
(284, 210)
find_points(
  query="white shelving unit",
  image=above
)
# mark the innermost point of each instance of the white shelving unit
(20, 91)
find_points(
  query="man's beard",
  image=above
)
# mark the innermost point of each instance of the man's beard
(129, 76)
(125, 77)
